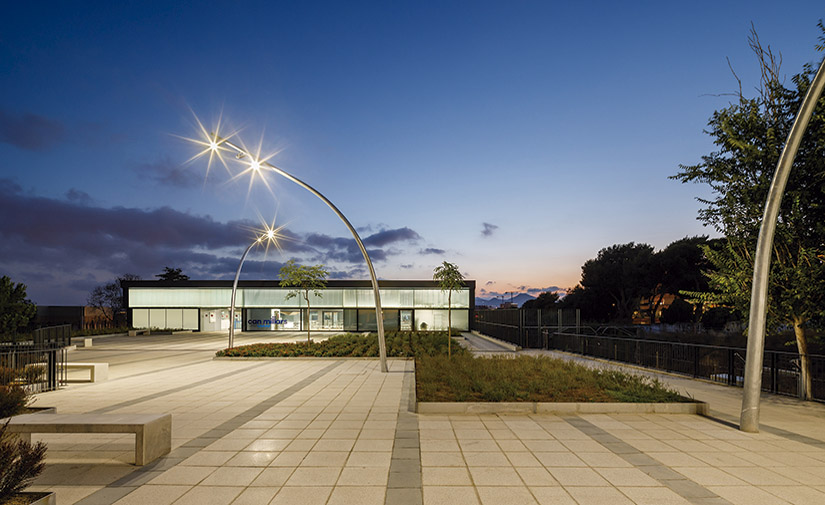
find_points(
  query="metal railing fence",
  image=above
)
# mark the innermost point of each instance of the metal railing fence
(37, 368)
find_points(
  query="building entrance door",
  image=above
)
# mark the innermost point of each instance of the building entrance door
(406, 320)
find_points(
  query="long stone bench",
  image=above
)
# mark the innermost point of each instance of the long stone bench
(134, 333)
(97, 371)
(153, 432)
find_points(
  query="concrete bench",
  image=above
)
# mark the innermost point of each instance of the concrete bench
(153, 432)
(97, 371)
(134, 333)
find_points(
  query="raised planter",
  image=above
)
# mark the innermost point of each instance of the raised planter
(32, 498)
(700, 408)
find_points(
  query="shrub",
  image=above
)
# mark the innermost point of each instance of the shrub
(13, 400)
(20, 463)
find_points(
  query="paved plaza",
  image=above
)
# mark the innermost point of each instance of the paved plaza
(337, 431)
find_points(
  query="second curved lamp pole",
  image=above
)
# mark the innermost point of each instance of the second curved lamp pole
(382, 347)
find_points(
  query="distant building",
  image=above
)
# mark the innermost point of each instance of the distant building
(345, 305)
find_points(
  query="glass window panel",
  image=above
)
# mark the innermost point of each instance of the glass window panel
(365, 298)
(140, 318)
(190, 319)
(389, 298)
(350, 320)
(174, 319)
(350, 298)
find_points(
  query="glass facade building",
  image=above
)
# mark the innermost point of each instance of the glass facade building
(265, 306)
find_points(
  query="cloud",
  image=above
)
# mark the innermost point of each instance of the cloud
(79, 197)
(57, 246)
(489, 283)
(167, 173)
(488, 229)
(31, 132)
(432, 250)
(552, 289)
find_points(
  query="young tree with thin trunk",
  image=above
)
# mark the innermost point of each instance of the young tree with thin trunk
(303, 279)
(449, 279)
(750, 134)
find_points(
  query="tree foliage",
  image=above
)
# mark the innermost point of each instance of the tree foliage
(449, 279)
(15, 309)
(172, 274)
(545, 301)
(621, 273)
(750, 135)
(303, 279)
(108, 298)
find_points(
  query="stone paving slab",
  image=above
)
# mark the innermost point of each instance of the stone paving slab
(341, 432)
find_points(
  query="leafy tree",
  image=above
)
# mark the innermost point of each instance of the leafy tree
(621, 273)
(15, 309)
(750, 134)
(449, 279)
(679, 311)
(678, 267)
(545, 301)
(303, 279)
(172, 274)
(108, 298)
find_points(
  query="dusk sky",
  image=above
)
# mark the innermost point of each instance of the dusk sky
(515, 139)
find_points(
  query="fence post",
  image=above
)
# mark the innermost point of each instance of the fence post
(521, 328)
(696, 361)
(52, 365)
(578, 320)
(731, 367)
(539, 335)
(773, 373)
(559, 321)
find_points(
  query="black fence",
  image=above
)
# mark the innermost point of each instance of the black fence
(36, 361)
(780, 369)
(563, 330)
(526, 328)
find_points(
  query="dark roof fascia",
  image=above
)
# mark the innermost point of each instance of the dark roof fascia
(332, 283)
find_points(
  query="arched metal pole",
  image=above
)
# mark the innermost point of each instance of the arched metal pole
(749, 418)
(382, 347)
(235, 290)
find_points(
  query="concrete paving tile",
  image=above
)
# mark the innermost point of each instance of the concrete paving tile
(445, 476)
(184, 475)
(478, 446)
(552, 496)
(495, 476)
(760, 476)
(360, 495)
(156, 495)
(654, 496)
(256, 495)
(747, 495)
(797, 495)
(314, 476)
(577, 477)
(362, 445)
(232, 476)
(678, 459)
(363, 476)
(706, 476)
(379, 459)
(267, 445)
(588, 495)
(273, 477)
(437, 446)
(324, 458)
(289, 458)
(333, 445)
(559, 459)
(252, 459)
(302, 495)
(545, 446)
(210, 495)
(512, 495)
(442, 459)
(486, 459)
(449, 495)
(627, 477)
(536, 476)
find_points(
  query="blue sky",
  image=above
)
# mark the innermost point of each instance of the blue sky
(555, 123)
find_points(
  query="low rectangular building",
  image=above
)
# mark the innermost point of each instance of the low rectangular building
(345, 305)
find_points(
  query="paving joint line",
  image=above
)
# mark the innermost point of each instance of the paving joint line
(688, 489)
(128, 483)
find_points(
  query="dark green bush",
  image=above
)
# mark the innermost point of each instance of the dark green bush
(13, 400)
(20, 463)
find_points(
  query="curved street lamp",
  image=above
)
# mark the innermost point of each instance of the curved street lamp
(216, 142)
(749, 417)
(271, 236)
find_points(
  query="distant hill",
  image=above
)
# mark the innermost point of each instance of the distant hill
(519, 299)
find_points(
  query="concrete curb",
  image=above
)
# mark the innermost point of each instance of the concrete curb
(699, 408)
(502, 343)
(299, 358)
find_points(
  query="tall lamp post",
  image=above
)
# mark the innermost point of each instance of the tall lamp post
(270, 235)
(216, 142)
(749, 417)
